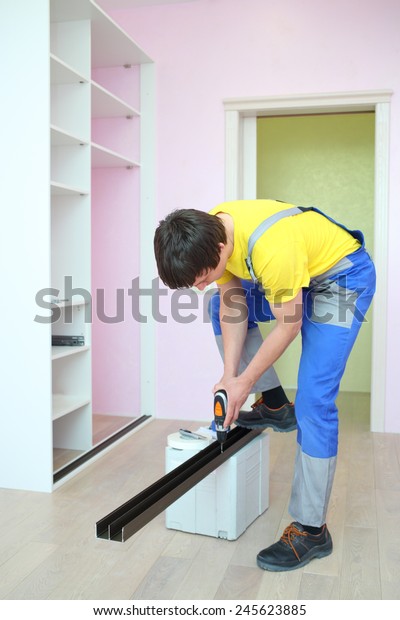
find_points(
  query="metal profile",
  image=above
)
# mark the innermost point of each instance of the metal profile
(131, 516)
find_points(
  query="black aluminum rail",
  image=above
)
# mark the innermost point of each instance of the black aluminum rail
(126, 520)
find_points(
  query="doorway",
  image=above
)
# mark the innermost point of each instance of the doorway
(241, 182)
(325, 160)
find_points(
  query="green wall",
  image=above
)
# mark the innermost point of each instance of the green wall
(326, 161)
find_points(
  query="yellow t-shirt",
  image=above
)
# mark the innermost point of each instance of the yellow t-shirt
(290, 253)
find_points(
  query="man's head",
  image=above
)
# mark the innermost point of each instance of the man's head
(187, 244)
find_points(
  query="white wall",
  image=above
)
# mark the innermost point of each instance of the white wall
(25, 376)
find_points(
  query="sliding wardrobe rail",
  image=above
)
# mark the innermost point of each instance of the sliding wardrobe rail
(126, 520)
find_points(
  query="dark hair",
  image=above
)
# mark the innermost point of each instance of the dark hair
(186, 245)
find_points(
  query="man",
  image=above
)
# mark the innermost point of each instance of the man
(312, 275)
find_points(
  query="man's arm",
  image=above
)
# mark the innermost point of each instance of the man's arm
(233, 319)
(288, 324)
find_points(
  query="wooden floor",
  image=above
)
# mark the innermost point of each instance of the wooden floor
(48, 549)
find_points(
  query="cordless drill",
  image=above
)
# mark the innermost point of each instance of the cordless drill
(220, 408)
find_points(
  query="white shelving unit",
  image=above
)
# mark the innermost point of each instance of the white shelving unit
(83, 39)
(56, 256)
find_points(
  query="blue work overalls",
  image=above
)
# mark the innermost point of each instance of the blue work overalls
(334, 307)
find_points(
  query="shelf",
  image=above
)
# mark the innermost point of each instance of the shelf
(120, 48)
(59, 189)
(60, 137)
(104, 158)
(60, 352)
(68, 303)
(62, 73)
(107, 105)
(63, 404)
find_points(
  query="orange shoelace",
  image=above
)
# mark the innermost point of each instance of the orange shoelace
(292, 532)
(261, 402)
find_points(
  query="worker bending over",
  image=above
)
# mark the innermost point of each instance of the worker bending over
(274, 260)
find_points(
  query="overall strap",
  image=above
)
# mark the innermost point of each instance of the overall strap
(261, 229)
(357, 234)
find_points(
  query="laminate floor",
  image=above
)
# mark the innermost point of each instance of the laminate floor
(48, 549)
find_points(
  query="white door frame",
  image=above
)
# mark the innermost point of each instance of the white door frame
(240, 182)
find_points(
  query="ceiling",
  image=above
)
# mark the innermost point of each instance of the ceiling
(128, 4)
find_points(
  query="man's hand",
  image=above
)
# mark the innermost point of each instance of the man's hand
(237, 389)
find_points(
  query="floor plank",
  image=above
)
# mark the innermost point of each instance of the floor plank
(388, 509)
(278, 586)
(21, 564)
(239, 583)
(163, 579)
(319, 587)
(206, 571)
(360, 576)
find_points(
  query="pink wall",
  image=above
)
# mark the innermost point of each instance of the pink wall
(115, 251)
(115, 254)
(209, 50)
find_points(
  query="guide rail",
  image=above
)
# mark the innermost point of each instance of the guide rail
(123, 522)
